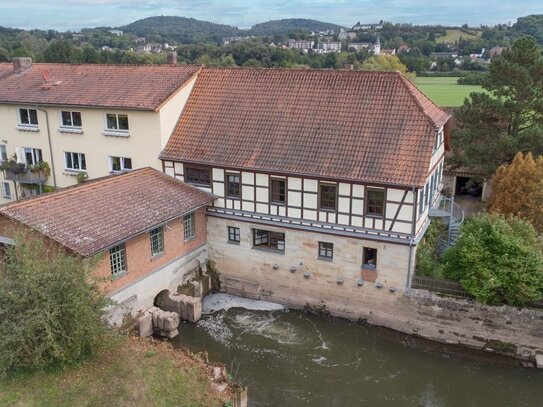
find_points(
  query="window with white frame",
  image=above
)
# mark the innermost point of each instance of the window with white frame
(233, 234)
(188, 226)
(6, 190)
(32, 156)
(157, 240)
(117, 164)
(75, 161)
(28, 117)
(326, 250)
(116, 122)
(117, 260)
(71, 119)
(3, 153)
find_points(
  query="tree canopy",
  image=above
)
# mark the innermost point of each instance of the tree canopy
(517, 189)
(50, 308)
(498, 260)
(508, 117)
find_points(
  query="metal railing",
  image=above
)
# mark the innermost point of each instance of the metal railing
(440, 285)
(26, 177)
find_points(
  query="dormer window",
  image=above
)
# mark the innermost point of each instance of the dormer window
(28, 117)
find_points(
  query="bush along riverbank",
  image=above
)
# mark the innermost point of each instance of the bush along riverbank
(126, 371)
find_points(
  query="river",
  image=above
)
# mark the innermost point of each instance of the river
(292, 358)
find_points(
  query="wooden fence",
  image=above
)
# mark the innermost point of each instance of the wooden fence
(450, 287)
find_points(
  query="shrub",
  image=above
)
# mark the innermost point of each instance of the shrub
(427, 258)
(497, 259)
(50, 309)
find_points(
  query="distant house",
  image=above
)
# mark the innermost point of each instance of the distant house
(304, 45)
(452, 54)
(118, 33)
(228, 40)
(144, 48)
(359, 46)
(105, 48)
(367, 26)
(140, 40)
(347, 35)
(329, 46)
(404, 49)
(148, 241)
(496, 51)
(388, 51)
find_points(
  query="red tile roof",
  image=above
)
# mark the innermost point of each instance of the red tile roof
(142, 87)
(98, 214)
(373, 127)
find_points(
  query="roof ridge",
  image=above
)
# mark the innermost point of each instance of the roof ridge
(411, 88)
(111, 65)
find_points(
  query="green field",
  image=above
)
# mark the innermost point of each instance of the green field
(445, 91)
(454, 35)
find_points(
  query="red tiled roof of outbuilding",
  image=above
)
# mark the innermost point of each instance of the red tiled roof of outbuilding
(141, 87)
(98, 214)
(372, 127)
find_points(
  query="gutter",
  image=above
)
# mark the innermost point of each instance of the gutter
(50, 145)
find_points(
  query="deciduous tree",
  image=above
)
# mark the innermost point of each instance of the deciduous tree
(517, 189)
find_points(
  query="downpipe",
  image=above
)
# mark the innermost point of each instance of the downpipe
(50, 145)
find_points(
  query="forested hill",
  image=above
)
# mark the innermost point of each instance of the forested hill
(189, 30)
(180, 30)
(288, 25)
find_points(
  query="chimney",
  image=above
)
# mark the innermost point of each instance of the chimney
(21, 64)
(171, 58)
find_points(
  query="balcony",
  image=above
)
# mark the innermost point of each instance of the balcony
(27, 176)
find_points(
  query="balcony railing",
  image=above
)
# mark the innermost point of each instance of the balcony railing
(26, 177)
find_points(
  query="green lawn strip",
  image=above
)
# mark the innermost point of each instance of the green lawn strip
(445, 91)
(128, 372)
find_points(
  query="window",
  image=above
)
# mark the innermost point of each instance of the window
(369, 260)
(270, 240)
(6, 190)
(278, 191)
(375, 202)
(326, 250)
(233, 234)
(157, 240)
(28, 117)
(232, 185)
(32, 156)
(71, 119)
(201, 176)
(75, 161)
(3, 153)
(117, 260)
(188, 226)
(117, 122)
(327, 197)
(120, 164)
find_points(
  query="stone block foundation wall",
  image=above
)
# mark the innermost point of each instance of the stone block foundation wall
(298, 277)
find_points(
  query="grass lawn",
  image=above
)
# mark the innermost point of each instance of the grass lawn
(445, 91)
(129, 372)
(454, 35)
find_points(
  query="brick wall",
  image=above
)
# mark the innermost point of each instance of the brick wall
(138, 252)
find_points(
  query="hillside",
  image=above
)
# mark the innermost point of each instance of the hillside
(288, 25)
(180, 30)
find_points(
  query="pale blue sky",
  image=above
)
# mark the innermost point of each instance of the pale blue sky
(75, 14)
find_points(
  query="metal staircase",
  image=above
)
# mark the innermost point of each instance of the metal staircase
(453, 216)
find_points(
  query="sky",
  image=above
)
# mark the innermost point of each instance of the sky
(62, 15)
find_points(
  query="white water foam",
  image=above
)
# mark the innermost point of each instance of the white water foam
(216, 302)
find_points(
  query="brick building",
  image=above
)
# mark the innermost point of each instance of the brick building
(148, 229)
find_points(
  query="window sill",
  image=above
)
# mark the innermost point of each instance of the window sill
(195, 184)
(70, 130)
(190, 239)
(113, 133)
(278, 203)
(72, 173)
(235, 198)
(374, 216)
(157, 256)
(268, 249)
(114, 172)
(327, 210)
(233, 242)
(22, 127)
(6, 197)
(119, 275)
(329, 259)
(369, 267)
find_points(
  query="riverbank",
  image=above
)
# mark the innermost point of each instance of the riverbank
(128, 371)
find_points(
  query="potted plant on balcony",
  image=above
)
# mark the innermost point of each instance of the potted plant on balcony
(13, 166)
(41, 167)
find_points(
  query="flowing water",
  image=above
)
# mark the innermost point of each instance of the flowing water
(291, 358)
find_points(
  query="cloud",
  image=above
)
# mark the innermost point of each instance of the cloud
(63, 14)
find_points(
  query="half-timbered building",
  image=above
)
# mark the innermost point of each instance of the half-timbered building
(324, 179)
